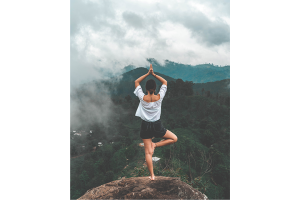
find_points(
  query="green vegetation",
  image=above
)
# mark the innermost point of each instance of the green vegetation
(198, 74)
(217, 88)
(123, 85)
(200, 157)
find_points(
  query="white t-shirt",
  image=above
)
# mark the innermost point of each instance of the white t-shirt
(149, 111)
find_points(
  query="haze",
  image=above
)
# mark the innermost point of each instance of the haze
(106, 36)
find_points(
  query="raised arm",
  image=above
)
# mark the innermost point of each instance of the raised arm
(137, 81)
(161, 79)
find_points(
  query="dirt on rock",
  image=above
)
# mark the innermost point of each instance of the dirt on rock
(144, 188)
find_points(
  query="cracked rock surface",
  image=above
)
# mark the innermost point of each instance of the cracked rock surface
(143, 188)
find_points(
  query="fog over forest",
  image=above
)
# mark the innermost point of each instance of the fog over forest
(111, 44)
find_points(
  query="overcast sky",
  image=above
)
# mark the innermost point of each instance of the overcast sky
(109, 35)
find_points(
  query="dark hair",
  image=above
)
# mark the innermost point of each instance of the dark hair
(151, 86)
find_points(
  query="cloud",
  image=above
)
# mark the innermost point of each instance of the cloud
(95, 14)
(107, 35)
(214, 31)
(133, 19)
(90, 105)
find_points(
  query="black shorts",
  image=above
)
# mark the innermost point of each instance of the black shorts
(152, 129)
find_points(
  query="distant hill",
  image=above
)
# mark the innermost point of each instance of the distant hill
(124, 85)
(221, 87)
(133, 74)
(198, 74)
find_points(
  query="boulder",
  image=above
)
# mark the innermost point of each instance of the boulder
(144, 188)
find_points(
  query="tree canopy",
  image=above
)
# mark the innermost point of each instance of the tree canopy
(200, 157)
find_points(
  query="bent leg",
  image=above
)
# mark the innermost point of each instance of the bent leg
(169, 137)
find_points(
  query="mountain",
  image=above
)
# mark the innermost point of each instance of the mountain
(198, 74)
(133, 74)
(200, 157)
(124, 84)
(128, 68)
(201, 121)
(218, 87)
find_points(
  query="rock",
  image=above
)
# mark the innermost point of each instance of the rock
(143, 188)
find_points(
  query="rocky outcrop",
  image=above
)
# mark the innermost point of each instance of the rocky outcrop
(143, 188)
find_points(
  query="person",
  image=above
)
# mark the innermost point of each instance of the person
(149, 110)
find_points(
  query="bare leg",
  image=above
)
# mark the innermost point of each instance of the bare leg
(169, 137)
(148, 156)
(149, 146)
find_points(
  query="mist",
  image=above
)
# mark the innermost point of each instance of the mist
(106, 36)
(91, 105)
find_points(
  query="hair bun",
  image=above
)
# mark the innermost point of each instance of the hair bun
(150, 86)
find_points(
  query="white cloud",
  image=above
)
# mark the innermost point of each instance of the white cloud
(90, 105)
(213, 13)
(108, 35)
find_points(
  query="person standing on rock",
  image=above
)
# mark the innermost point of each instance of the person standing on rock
(149, 110)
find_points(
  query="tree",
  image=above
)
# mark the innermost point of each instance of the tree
(98, 165)
(118, 161)
(128, 98)
(131, 151)
(227, 101)
(208, 93)
(188, 86)
(207, 138)
(171, 92)
(190, 174)
(75, 195)
(179, 87)
(84, 178)
(220, 173)
(109, 176)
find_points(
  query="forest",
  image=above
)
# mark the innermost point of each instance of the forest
(201, 73)
(198, 74)
(200, 157)
(122, 86)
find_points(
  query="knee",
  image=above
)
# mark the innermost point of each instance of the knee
(149, 152)
(175, 139)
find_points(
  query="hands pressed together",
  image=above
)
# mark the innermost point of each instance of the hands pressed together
(151, 70)
(137, 81)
